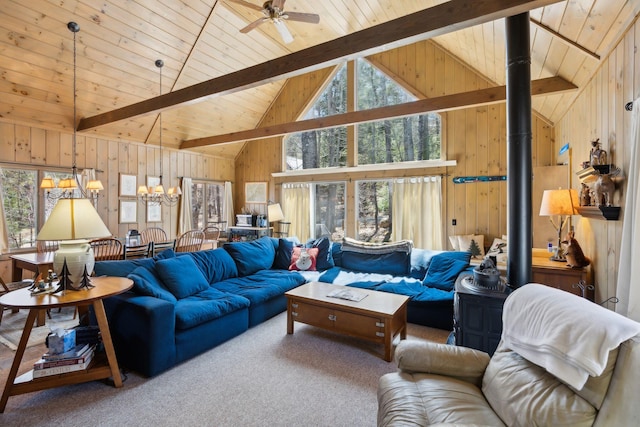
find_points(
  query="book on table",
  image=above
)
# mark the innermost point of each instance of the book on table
(44, 367)
(76, 351)
(347, 294)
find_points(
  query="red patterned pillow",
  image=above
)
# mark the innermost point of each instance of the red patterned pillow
(304, 259)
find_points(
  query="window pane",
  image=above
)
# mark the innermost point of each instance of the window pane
(330, 210)
(207, 200)
(197, 202)
(326, 147)
(374, 211)
(215, 200)
(20, 190)
(50, 202)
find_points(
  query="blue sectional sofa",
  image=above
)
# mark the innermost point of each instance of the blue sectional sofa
(184, 304)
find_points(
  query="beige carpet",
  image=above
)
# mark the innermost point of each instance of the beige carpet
(263, 377)
(13, 324)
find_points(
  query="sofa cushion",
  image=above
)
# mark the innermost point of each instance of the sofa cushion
(165, 254)
(443, 270)
(261, 286)
(308, 266)
(420, 259)
(216, 265)
(324, 260)
(121, 268)
(146, 282)
(207, 305)
(523, 393)
(252, 256)
(282, 259)
(181, 276)
(388, 258)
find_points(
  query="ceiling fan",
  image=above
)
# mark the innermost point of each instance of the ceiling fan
(273, 11)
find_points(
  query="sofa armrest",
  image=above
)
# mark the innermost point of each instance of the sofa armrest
(143, 331)
(442, 359)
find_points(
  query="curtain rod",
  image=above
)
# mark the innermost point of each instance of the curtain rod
(44, 166)
(204, 179)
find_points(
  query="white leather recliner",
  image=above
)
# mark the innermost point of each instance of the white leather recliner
(562, 361)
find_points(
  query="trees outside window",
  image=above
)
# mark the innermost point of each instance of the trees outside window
(207, 202)
(374, 211)
(329, 212)
(20, 191)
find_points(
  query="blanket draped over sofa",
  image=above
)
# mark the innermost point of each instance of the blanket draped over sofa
(184, 304)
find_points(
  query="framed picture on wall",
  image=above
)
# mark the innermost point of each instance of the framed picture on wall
(128, 211)
(153, 181)
(154, 212)
(255, 192)
(128, 185)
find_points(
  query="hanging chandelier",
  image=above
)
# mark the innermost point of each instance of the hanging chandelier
(72, 187)
(155, 195)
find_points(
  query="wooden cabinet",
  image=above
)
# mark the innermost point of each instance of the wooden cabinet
(477, 316)
(241, 234)
(558, 275)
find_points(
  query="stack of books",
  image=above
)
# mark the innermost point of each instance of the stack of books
(76, 359)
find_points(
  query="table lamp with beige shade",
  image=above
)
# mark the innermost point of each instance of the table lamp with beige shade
(274, 213)
(561, 203)
(73, 222)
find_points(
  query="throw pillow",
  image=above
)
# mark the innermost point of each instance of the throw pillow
(304, 259)
(473, 243)
(145, 282)
(325, 259)
(181, 276)
(283, 255)
(253, 256)
(443, 271)
(498, 249)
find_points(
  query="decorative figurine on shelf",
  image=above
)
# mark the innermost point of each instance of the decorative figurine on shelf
(573, 252)
(585, 195)
(598, 155)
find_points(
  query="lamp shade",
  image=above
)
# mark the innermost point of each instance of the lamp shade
(73, 219)
(559, 202)
(47, 183)
(274, 212)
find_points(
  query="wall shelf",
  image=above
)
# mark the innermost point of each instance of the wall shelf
(610, 213)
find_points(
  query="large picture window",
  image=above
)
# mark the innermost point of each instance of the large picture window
(207, 203)
(20, 202)
(374, 211)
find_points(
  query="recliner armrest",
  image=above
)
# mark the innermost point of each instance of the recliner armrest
(442, 359)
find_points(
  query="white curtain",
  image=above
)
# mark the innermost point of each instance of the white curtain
(296, 206)
(227, 214)
(185, 221)
(628, 289)
(417, 211)
(4, 232)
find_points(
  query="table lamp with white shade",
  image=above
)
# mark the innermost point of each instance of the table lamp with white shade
(274, 213)
(73, 222)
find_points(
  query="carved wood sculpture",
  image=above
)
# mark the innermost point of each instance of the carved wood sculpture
(573, 252)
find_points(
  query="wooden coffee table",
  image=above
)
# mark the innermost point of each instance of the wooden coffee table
(379, 317)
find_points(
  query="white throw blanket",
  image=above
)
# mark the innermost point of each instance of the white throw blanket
(567, 335)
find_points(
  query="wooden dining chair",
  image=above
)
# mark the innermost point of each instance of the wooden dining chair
(47, 245)
(8, 287)
(211, 232)
(108, 248)
(190, 241)
(154, 234)
(157, 247)
(140, 251)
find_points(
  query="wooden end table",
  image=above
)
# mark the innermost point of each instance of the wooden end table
(379, 317)
(103, 287)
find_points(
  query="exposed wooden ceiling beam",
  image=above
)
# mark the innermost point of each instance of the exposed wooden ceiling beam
(441, 19)
(490, 95)
(564, 39)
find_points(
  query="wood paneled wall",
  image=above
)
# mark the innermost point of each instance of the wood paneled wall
(599, 112)
(474, 137)
(22, 145)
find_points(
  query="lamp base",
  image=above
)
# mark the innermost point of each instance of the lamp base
(78, 254)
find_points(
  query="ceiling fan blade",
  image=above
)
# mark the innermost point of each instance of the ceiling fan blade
(311, 18)
(253, 25)
(247, 4)
(283, 30)
(278, 4)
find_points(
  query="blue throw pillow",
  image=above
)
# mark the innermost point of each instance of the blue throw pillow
(325, 258)
(283, 255)
(167, 253)
(253, 256)
(145, 282)
(181, 276)
(443, 271)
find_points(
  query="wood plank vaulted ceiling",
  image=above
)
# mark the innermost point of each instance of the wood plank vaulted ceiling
(199, 40)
